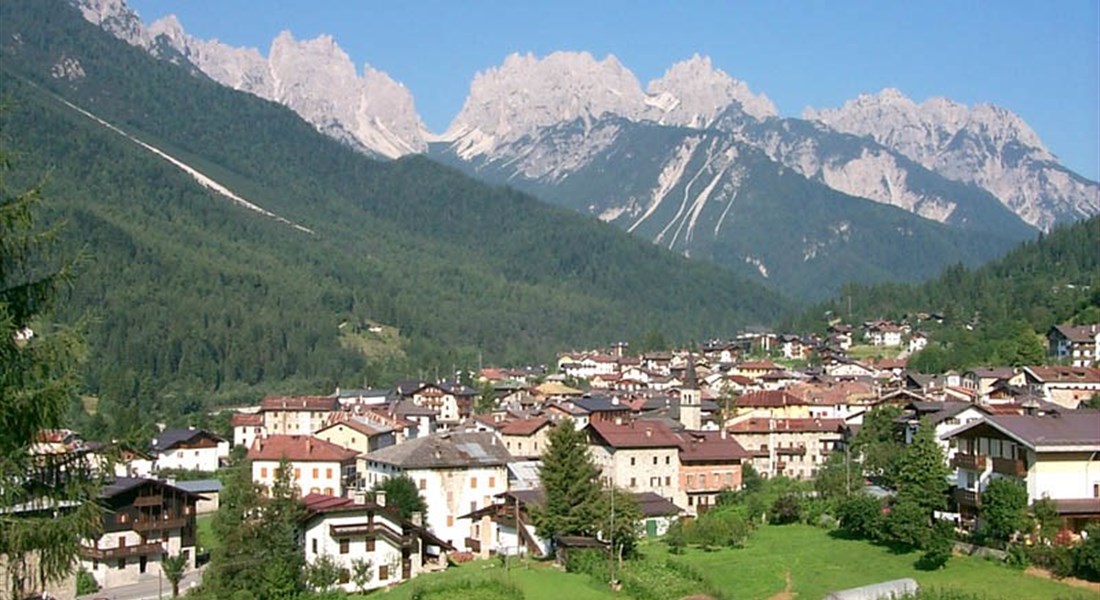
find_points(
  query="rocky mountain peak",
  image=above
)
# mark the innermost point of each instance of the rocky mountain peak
(692, 93)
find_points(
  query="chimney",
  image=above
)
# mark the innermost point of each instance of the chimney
(723, 433)
(417, 518)
(309, 446)
(359, 497)
(380, 497)
(648, 432)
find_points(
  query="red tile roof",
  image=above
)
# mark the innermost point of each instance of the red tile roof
(764, 425)
(312, 403)
(247, 420)
(524, 426)
(639, 434)
(1066, 374)
(709, 446)
(299, 448)
(768, 398)
(759, 365)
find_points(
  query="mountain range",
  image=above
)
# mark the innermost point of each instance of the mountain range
(695, 161)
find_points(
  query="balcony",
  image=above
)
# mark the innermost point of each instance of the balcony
(121, 552)
(968, 498)
(473, 545)
(148, 501)
(800, 451)
(1011, 467)
(970, 462)
(144, 525)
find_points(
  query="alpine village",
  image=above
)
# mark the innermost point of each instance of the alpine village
(253, 348)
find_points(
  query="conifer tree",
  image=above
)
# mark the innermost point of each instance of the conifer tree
(922, 471)
(571, 484)
(47, 502)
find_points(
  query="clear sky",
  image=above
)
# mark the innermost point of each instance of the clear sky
(1038, 59)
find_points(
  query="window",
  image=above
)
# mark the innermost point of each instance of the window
(122, 563)
(492, 481)
(632, 461)
(122, 542)
(473, 483)
(142, 563)
(263, 472)
(422, 484)
(314, 545)
(473, 505)
(370, 544)
(345, 576)
(668, 460)
(297, 473)
(383, 572)
(179, 454)
(1096, 490)
(691, 480)
(328, 473)
(668, 481)
(654, 460)
(316, 473)
(345, 545)
(450, 520)
(328, 491)
(632, 482)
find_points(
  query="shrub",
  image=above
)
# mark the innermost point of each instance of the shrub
(589, 561)
(85, 583)
(786, 509)
(907, 524)
(1017, 557)
(860, 516)
(1056, 559)
(1086, 557)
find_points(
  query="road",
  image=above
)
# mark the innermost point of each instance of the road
(147, 590)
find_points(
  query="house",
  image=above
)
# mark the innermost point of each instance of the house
(357, 433)
(604, 408)
(641, 456)
(755, 369)
(1055, 456)
(1077, 344)
(883, 333)
(945, 417)
(795, 447)
(917, 341)
(296, 415)
(850, 370)
(1065, 386)
(982, 380)
(143, 521)
(510, 512)
(189, 450)
(526, 438)
(318, 467)
(710, 462)
(209, 493)
(246, 428)
(657, 512)
(794, 347)
(456, 473)
(771, 403)
(354, 530)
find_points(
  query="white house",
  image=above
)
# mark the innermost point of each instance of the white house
(246, 428)
(189, 449)
(360, 532)
(319, 467)
(456, 473)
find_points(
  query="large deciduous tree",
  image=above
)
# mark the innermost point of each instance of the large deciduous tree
(1004, 509)
(47, 502)
(571, 484)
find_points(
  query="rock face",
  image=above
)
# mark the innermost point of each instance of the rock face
(985, 145)
(315, 78)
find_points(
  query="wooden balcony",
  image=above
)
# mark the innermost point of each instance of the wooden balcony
(968, 498)
(473, 545)
(121, 552)
(800, 451)
(970, 462)
(144, 525)
(148, 500)
(1008, 466)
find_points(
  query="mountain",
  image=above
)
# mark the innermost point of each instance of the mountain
(314, 78)
(984, 145)
(224, 258)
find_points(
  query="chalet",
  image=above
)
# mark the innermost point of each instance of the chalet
(945, 417)
(1077, 344)
(982, 380)
(349, 530)
(246, 428)
(794, 347)
(451, 401)
(604, 408)
(793, 448)
(1065, 386)
(296, 415)
(1054, 456)
(657, 362)
(850, 370)
(755, 369)
(883, 333)
(917, 341)
(143, 521)
(318, 467)
(189, 449)
(455, 473)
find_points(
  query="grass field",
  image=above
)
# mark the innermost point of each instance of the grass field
(204, 530)
(815, 562)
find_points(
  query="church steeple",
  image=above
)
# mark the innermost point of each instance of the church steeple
(691, 409)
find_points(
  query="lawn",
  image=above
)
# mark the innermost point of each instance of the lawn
(815, 561)
(204, 525)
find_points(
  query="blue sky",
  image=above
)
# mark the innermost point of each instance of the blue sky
(1038, 59)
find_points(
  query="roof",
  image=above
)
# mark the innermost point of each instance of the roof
(646, 434)
(1078, 333)
(247, 420)
(121, 485)
(200, 486)
(445, 450)
(994, 372)
(758, 365)
(768, 398)
(709, 446)
(766, 425)
(651, 504)
(553, 388)
(1057, 374)
(307, 403)
(1072, 431)
(170, 438)
(321, 504)
(361, 425)
(299, 448)
(524, 426)
(601, 404)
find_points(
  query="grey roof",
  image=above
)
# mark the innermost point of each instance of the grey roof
(1071, 429)
(600, 404)
(652, 505)
(445, 450)
(200, 486)
(121, 485)
(169, 438)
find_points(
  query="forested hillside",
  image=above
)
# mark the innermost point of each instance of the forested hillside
(194, 297)
(992, 314)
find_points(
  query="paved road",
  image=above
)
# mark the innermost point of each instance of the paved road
(147, 590)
